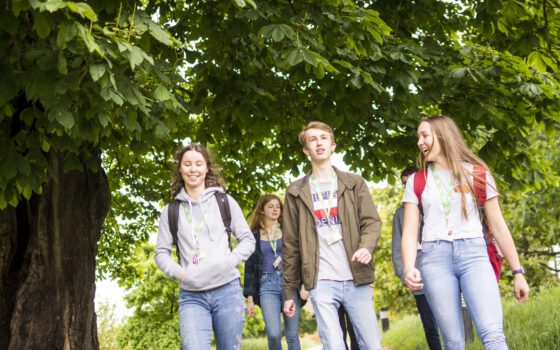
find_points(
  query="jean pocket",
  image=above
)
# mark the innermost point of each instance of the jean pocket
(427, 247)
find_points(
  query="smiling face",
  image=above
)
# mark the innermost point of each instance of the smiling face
(428, 142)
(193, 169)
(319, 144)
(272, 210)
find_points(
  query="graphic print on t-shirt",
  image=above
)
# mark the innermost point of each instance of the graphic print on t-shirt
(320, 215)
(333, 260)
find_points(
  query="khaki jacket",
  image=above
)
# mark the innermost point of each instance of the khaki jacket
(361, 228)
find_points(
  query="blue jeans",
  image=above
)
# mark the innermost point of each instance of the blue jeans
(327, 296)
(428, 322)
(272, 303)
(462, 265)
(221, 309)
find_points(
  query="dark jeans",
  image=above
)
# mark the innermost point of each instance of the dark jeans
(346, 326)
(428, 321)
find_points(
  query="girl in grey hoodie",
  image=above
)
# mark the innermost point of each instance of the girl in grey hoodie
(210, 295)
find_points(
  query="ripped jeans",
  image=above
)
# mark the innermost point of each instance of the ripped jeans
(220, 309)
(448, 268)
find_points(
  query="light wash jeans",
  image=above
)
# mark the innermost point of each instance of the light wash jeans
(272, 303)
(462, 265)
(221, 309)
(358, 302)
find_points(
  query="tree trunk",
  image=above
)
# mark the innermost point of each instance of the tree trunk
(48, 246)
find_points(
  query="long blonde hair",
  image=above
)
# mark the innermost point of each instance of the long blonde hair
(455, 151)
(258, 223)
(212, 178)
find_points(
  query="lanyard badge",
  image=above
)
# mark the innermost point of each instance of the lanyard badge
(197, 254)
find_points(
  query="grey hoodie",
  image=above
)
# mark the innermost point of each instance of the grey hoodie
(219, 265)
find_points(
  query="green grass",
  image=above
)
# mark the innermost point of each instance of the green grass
(532, 325)
(262, 343)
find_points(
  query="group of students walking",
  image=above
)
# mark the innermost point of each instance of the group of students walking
(318, 245)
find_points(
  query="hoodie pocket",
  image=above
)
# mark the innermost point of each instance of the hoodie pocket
(209, 272)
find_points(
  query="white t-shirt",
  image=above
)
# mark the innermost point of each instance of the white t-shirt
(333, 260)
(434, 213)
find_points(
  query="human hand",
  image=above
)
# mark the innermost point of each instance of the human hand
(182, 274)
(251, 308)
(289, 308)
(413, 279)
(303, 294)
(362, 255)
(521, 288)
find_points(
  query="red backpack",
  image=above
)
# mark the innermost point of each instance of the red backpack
(479, 185)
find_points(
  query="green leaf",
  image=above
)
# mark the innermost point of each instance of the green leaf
(239, 3)
(72, 163)
(62, 115)
(536, 60)
(97, 71)
(62, 69)
(43, 24)
(88, 40)
(252, 3)
(136, 56)
(53, 6)
(277, 34)
(160, 34)
(458, 73)
(83, 10)
(161, 132)
(66, 32)
(162, 94)
(19, 5)
(295, 56)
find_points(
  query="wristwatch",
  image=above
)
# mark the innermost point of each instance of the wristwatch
(519, 270)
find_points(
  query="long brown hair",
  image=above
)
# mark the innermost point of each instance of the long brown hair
(212, 178)
(455, 151)
(257, 222)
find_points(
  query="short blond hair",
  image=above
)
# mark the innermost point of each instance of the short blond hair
(315, 125)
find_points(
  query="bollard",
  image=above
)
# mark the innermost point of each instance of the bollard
(467, 321)
(384, 315)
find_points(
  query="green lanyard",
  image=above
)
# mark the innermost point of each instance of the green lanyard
(446, 199)
(195, 231)
(328, 206)
(274, 243)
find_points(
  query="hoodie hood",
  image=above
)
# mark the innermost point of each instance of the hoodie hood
(204, 197)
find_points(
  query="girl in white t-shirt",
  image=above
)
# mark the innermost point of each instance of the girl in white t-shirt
(454, 255)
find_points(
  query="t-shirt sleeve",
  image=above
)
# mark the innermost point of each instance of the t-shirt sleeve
(409, 196)
(491, 188)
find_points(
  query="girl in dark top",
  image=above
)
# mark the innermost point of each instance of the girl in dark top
(264, 281)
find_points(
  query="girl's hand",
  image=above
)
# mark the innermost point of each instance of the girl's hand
(251, 308)
(413, 279)
(521, 288)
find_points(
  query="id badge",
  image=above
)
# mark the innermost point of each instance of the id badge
(333, 236)
(277, 262)
(197, 255)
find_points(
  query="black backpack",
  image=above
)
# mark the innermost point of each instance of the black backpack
(173, 217)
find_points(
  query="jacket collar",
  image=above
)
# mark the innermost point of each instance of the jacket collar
(301, 188)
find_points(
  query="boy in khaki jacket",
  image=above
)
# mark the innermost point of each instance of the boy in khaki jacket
(331, 227)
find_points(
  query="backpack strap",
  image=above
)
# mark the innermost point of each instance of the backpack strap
(419, 184)
(479, 186)
(173, 221)
(420, 179)
(223, 204)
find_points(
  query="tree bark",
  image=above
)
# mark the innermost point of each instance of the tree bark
(48, 246)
